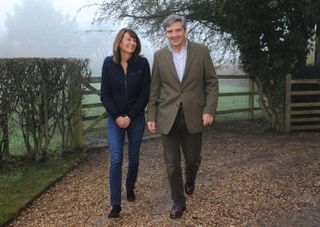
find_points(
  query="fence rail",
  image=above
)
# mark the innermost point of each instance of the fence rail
(95, 119)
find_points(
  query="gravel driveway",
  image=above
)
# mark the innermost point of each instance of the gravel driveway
(248, 177)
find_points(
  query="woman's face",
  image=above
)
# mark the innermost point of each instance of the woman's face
(128, 44)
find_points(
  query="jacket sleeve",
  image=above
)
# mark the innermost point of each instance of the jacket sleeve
(106, 92)
(154, 91)
(143, 98)
(211, 85)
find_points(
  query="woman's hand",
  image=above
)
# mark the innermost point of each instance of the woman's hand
(123, 121)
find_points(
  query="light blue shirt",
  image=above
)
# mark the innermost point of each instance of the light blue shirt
(179, 59)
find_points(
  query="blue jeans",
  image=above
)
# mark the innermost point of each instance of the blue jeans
(116, 137)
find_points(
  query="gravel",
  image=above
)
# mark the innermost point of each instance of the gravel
(248, 177)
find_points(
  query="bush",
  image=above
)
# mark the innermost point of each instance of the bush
(40, 96)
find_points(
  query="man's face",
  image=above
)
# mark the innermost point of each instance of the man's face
(176, 35)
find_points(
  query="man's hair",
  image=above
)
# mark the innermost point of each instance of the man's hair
(117, 41)
(172, 19)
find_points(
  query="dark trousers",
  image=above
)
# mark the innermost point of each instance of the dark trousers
(179, 139)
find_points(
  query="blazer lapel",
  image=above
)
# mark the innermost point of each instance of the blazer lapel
(190, 55)
(169, 58)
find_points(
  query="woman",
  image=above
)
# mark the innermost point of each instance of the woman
(124, 93)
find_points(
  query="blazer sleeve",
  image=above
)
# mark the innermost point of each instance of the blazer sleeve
(211, 85)
(154, 91)
(143, 98)
(106, 91)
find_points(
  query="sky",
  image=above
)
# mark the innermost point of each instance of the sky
(67, 7)
(84, 18)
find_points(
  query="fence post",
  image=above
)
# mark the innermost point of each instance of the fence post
(77, 140)
(288, 102)
(251, 99)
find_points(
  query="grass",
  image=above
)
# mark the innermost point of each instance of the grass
(17, 145)
(18, 186)
(21, 180)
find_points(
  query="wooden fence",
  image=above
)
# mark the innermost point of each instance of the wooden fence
(250, 93)
(92, 122)
(302, 104)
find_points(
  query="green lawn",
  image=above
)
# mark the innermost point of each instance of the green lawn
(226, 88)
(17, 145)
(21, 181)
(20, 185)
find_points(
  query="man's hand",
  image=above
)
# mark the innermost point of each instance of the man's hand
(123, 121)
(151, 126)
(207, 119)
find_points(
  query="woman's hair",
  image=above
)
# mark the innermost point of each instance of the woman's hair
(116, 44)
(172, 19)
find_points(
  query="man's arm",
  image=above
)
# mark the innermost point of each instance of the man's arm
(211, 90)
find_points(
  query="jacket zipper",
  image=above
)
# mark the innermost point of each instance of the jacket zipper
(126, 89)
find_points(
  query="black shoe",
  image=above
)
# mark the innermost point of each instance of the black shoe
(114, 213)
(189, 188)
(176, 211)
(130, 196)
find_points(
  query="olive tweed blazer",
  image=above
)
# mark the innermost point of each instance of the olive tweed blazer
(198, 90)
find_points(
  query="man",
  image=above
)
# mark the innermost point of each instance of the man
(183, 99)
